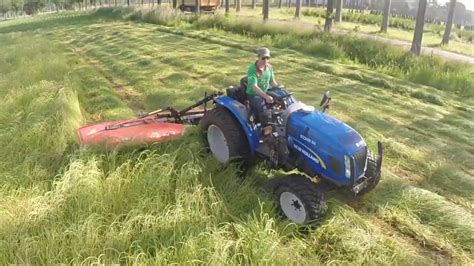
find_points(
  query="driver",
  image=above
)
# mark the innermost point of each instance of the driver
(259, 78)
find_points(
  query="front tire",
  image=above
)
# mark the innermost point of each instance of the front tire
(224, 135)
(300, 200)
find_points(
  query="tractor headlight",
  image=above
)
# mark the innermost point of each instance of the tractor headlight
(347, 166)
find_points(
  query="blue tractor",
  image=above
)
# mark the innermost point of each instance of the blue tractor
(295, 136)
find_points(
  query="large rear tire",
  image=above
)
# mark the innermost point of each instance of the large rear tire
(224, 136)
(371, 173)
(300, 200)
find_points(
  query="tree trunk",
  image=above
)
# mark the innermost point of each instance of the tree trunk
(420, 23)
(298, 9)
(339, 11)
(449, 23)
(386, 15)
(239, 5)
(198, 6)
(329, 16)
(175, 3)
(128, 2)
(279, 3)
(266, 9)
(227, 6)
(254, 4)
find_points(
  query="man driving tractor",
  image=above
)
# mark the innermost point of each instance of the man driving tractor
(259, 78)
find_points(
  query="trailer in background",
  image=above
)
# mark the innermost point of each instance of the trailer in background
(209, 6)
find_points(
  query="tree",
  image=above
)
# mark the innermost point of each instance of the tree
(227, 7)
(266, 9)
(254, 4)
(238, 5)
(460, 11)
(329, 16)
(449, 23)
(32, 7)
(198, 6)
(420, 23)
(298, 9)
(386, 15)
(339, 11)
(280, 2)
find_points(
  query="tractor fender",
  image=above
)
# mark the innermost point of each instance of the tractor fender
(241, 115)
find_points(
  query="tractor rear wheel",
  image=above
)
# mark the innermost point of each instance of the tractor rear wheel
(371, 173)
(224, 135)
(300, 200)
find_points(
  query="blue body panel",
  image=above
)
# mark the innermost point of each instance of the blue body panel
(318, 136)
(240, 113)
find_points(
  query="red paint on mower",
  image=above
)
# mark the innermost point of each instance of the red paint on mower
(157, 126)
(135, 131)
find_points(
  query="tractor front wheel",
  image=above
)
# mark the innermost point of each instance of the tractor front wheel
(224, 135)
(300, 200)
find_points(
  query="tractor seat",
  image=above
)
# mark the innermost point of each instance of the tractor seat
(239, 92)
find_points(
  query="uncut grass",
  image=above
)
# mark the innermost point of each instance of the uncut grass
(133, 206)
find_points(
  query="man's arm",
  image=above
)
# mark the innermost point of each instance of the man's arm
(262, 94)
(274, 83)
(272, 80)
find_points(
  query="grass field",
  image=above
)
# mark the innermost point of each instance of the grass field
(430, 38)
(172, 203)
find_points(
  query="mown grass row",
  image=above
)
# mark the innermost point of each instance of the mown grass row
(170, 203)
(427, 70)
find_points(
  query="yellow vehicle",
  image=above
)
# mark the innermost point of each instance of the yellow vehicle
(206, 5)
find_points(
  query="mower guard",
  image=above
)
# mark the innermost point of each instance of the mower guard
(157, 126)
(134, 131)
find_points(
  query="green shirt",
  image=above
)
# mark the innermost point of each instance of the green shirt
(262, 79)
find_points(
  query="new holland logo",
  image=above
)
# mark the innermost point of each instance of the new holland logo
(309, 154)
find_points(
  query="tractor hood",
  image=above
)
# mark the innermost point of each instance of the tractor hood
(322, 131)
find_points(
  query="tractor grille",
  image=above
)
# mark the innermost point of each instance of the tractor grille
(360, 158)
